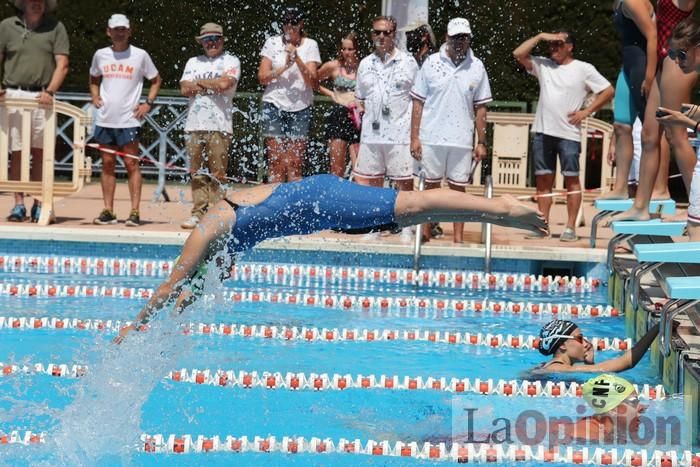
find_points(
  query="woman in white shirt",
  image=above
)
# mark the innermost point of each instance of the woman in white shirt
(288, 71)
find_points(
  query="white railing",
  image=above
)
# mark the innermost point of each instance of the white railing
(47, 189)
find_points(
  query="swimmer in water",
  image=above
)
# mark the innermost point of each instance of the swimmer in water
(565, 343)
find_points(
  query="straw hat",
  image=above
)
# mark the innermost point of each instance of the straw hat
(50, 4)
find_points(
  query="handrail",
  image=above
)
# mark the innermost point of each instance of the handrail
(486, 229)
(419, 228)
(666, 322)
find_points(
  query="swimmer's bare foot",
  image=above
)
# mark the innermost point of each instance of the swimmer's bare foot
(614, 194)
(632, 214)
(655, 195)
(521, 216)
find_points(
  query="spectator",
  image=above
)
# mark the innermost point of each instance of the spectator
(564, 83)
(210, 81)
(670, 89)
(420, 40)
(635, 22)
(449, 95)
(288, 70)
(34, 51)
(116, 81)
(384, 80)
(343, 121)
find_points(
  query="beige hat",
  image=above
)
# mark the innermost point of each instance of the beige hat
(50, 5)
(413, 25)
(210, 29)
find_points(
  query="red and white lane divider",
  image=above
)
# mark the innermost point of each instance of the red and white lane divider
(293, 274)
(459, 452)
(314, 334)
(324, 381)
(380, 306)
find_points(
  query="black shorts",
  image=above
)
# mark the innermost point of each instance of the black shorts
(339, 125)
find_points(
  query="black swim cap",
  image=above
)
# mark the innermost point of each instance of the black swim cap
(554, 334)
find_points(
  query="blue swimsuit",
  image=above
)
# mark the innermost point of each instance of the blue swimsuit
(320, 202)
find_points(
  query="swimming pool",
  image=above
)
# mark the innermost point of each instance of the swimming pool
(308, 358)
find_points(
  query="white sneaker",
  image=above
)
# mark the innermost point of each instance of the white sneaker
(371, 237)
(407, 235)
(190, 223)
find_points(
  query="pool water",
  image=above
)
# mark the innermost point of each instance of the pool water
(129, 390)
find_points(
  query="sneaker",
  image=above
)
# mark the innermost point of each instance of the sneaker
(436, 230)
(190, 223)
(538, 236)
(568, 235)
(35, 213)
(106, 217)
(133, 220)
(18, 213)
(407, 235)
(396, 230)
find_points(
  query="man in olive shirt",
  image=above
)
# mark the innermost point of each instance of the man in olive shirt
(34, 62)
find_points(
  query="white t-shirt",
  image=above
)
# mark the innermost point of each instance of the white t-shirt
(449, 94)
(122, 82)
(289, 91)
(384, 88)
(563, 89)
(211, 112)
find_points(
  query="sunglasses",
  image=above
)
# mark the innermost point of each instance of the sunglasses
(678, 54)
(207, 39)
(460, 37)
(382, 32)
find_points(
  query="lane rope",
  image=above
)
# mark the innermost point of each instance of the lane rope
(462, 453)
(318, 382)
(313, 334)
(285, 274)
(409, 307)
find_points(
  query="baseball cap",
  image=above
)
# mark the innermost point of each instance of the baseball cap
(210, 29)
(605, 392)
(118, 20)
(458, 26)
(554, 334)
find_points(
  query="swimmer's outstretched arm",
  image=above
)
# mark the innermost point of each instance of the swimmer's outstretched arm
(627, 360)
(206, 239)
(445, 205)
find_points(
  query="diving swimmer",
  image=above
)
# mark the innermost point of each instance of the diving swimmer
(313, 204)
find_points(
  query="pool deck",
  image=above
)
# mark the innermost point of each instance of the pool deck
(161, 225)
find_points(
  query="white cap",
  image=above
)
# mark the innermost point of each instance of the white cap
(458, 26)
(118, 21)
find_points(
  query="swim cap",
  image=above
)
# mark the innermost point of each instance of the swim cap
(554, 334)
(605, 392)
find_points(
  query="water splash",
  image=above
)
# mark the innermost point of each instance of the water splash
(104, 418)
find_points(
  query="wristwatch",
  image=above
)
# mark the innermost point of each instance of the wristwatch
(50, 93)
(481, 143)
(150, 102)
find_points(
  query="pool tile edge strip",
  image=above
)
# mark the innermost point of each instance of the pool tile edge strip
(313, 334)
(459, 452)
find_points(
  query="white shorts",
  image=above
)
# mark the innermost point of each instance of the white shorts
(447, 162)
(38, 120)
(694, 196)
(380, 160)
